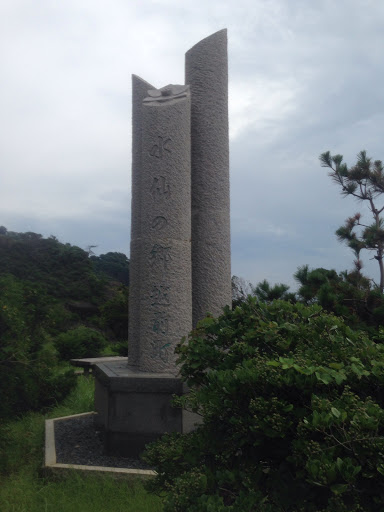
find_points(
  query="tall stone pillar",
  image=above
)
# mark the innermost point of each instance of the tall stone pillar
(165, 234)
(206, 71)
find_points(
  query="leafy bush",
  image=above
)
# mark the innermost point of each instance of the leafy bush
(293, 414)
(79, 342)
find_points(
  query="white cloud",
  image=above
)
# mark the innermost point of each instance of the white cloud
(260, 104)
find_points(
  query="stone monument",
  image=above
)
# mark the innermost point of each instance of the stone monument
(180, 244)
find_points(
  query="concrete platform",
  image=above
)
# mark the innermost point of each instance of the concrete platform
(51, 464)
(87, 363)
(135, 408)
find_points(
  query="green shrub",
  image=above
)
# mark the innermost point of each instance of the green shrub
(293, 414)
(79, 342)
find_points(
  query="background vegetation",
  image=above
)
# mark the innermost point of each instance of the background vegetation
(56, 303)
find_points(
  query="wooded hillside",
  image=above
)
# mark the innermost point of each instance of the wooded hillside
(56, 303)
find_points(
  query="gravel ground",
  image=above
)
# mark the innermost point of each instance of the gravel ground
(78, 442)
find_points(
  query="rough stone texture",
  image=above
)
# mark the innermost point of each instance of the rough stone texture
(140, 90)
(206, 71)
(163, 247)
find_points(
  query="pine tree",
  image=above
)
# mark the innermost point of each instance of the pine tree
(365, 182)
(268, 293)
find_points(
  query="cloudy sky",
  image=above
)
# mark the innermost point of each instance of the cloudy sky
(304, 77)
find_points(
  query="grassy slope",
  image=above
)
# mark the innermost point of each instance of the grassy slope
(25, 488)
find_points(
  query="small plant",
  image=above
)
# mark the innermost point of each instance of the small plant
(293, 415)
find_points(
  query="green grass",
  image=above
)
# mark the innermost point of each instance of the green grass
(25, 492)
(80, 400)
(24, 487)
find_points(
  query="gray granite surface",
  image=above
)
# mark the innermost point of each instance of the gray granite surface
(163, 247)
(139, 92)
(206, 72)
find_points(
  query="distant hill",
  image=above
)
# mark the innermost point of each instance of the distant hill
(66, 271)
(75, 288)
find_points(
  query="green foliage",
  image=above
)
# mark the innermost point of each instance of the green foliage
(346, 294)
(59, 318)
(293, 415)
(27, 361)
(119, 348)
(113, 264)
(264, 291)
(267, 293)
(21, 439)
(48, 290)
(79, 342)
(74, 287)
(65, 270)
(80, 399)
(114, 314)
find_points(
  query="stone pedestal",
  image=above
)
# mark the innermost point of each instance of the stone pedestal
(134, 408)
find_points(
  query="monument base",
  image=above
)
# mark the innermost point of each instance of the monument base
(134, 408)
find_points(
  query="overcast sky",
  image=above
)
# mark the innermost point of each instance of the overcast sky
(304, 77)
